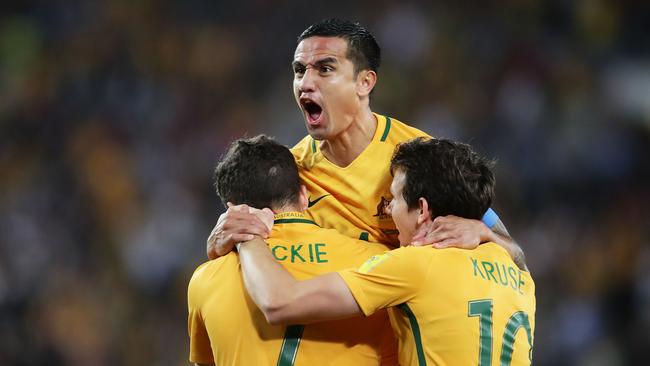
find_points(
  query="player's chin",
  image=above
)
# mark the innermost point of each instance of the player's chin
(317, 132)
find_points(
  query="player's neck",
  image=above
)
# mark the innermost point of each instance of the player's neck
(287, 208)
(349, 144)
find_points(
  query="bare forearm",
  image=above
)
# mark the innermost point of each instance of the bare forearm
(515, 251)
(500, 235)
(265, 279)
(284, 300)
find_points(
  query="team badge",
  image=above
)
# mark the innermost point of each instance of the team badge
(382, 209)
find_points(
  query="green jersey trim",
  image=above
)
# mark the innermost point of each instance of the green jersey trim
(294, 221)
(289, 349)
(416, 332)
(386, 129)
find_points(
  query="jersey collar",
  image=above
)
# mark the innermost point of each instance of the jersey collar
(292, 217)
(381, 132)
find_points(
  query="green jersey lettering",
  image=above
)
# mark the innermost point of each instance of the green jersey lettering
(295, 252)
(319, 253)
(274, 250)
(476, 268)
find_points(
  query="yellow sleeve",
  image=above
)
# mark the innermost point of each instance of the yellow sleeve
(200, 350)
(385, 280)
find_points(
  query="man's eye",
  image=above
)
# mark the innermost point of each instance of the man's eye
(299, 70)
(326, 69)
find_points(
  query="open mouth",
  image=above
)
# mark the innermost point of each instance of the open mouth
(313, 110)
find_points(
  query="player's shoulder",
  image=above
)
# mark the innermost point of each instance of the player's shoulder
(493, 251)
(334, 236)
(351, 245)
(486, 251)
(403, 261)
(428, 256)
(301, 145)
(304, 152)
(206, 272)
(204, 268)
(394, 131)
(302, 148)
(410, 251)
(410, 256)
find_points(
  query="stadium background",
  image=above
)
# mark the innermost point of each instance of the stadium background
(113, 114)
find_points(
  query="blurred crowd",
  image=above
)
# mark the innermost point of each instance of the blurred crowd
(114, 113)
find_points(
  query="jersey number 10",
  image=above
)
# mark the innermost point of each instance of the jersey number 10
(483, 310)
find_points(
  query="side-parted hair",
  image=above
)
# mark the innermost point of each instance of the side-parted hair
(449, 175)
(259, 172)
(363, 50)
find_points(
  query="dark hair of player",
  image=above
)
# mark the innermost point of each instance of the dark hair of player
(449, 175)
(259, 172)
(363, 50)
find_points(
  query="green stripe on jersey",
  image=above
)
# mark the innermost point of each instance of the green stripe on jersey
(416, 332)
(290, 345)
(294, 221)
(386, 130)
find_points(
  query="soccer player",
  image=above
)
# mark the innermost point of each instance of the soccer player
(344, 160)
(225, 326)
(447, 306)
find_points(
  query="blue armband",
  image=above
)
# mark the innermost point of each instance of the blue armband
(490, 218)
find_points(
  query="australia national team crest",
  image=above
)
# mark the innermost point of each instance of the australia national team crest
(382, 209)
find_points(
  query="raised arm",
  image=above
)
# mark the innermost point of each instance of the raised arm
(284, 300)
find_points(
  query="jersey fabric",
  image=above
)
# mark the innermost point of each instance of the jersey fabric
(451, 306)
(227, 328)
(353, 199)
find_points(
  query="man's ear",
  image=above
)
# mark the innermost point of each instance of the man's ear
(423, 215)
(303, 198)
(366, 80)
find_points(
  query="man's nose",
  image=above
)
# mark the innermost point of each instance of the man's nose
(308, 81)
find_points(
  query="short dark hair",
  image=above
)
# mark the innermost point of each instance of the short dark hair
(259, 172)
(449, 175)
(363, 50)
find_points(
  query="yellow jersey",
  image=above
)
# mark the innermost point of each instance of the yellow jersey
(227, 328)
(353, 199)
(451, 306)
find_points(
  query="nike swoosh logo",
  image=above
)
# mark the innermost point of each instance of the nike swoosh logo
(311, 203)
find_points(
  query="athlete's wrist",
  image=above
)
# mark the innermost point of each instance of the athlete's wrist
(485, 233)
